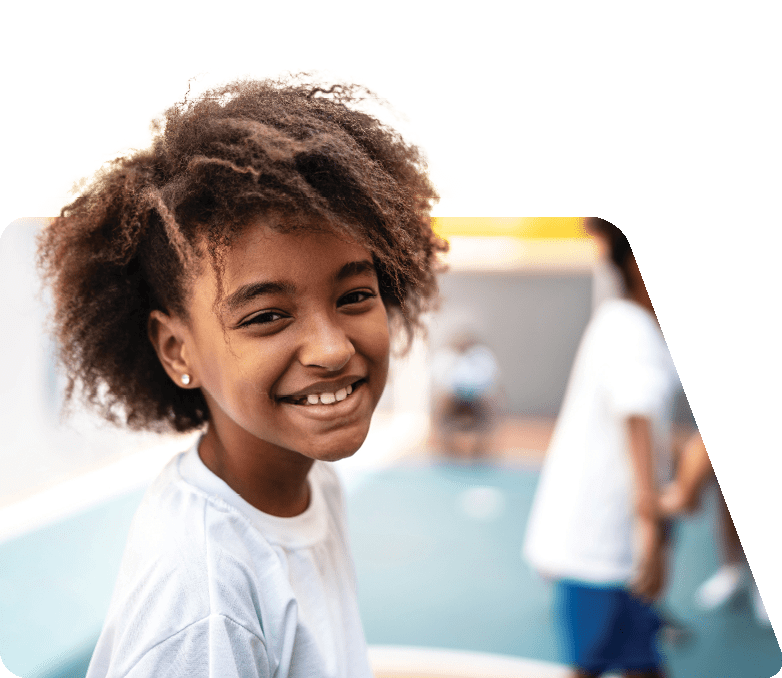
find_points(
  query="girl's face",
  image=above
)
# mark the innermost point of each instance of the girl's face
(300, 359)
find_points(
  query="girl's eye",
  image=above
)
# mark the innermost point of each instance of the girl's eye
(264, 318)
(356, 297)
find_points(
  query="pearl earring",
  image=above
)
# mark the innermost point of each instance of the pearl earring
(185, 379)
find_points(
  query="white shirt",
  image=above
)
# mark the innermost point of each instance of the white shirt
(582, 518)
(211, 586)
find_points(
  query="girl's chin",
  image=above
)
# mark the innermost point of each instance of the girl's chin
(335, 454)
(340, 444)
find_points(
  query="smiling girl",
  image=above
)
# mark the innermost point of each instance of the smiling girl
(240, 278)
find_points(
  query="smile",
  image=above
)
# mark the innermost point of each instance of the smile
(323, 398)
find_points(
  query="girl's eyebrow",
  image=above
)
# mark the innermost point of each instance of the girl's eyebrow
(250, 291)
(355, 268)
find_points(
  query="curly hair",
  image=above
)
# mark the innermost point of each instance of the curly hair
(133, 241)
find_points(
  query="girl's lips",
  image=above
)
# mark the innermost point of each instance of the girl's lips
(319, 394)
(336, 410)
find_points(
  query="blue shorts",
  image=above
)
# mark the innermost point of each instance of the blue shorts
(607, 628)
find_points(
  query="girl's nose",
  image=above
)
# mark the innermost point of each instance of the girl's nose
(325, 345)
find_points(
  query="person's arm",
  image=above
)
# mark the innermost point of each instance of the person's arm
(214, 647)
(684, 494)
(650, 577)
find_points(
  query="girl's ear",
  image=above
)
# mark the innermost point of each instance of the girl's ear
(168, 335)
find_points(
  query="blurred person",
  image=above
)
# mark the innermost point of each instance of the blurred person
(466, 376)
(683, 496)
(595, 526)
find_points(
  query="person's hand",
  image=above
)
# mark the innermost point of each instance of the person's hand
(671, 502)
(650, 578)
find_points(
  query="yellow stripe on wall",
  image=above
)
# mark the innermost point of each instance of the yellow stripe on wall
(517, 227)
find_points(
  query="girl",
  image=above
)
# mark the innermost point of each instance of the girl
(240, 277)
(594, 525)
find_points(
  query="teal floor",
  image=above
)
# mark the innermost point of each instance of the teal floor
(438, 553)
(55, 586)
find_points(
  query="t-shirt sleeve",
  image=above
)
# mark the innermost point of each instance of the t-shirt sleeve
(214, 647)
(636, 375)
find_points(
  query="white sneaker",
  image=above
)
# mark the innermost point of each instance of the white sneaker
(720, 587)
(759, 608)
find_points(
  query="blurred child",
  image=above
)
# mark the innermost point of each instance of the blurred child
(595, 525)
(683, 496)
(239, 278)
(466, 378)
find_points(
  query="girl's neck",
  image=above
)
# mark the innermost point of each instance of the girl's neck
(273, 483)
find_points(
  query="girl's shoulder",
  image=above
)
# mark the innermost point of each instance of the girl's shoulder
(621, 311)
(623, 322)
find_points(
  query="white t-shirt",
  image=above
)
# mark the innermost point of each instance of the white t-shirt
(211, 586)
(582, 518)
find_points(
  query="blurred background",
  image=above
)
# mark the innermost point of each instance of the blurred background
(438, 496)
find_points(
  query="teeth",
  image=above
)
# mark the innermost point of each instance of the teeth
(326, 398)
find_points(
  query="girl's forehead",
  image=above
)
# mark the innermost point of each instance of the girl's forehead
(268, 247)
(266, 241)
